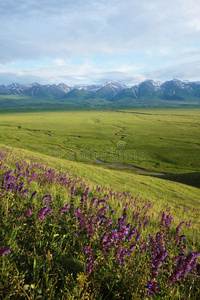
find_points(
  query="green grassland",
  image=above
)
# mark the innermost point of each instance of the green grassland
(164, 141)
(157, 140)
(16, 103)
(183, 200)
(45, 256)
(77, 100)
(46, 259)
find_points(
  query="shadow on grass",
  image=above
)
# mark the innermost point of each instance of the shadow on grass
(192, 179)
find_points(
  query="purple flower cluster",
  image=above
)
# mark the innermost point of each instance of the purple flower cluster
(33, 196)
(11, 183)
(82, 221)
(38, 172)
(72, 191)
(91, 261)
(178, 230)
(158, 252)
(28, 213)
(121, 239)
(185, 265)
(47, 209)
(152, 287)
(43, 212)
(95, 227)
(4, 251)
(63, 209)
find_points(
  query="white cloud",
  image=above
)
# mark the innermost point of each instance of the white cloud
(191, 10)
(165, 33)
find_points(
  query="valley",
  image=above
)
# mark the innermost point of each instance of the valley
(165, 141)
(55, 165)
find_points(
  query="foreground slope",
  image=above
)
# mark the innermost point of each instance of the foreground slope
(64, 237)
(157, 190)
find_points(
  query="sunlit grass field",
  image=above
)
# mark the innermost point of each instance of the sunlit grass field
(47, 255)
(157, 140)
(165, 141)
(50, 248)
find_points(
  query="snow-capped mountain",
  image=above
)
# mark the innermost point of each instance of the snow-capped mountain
(89, 88)
(113, 92)
(109, 90)
(35, 89)
(169, 90)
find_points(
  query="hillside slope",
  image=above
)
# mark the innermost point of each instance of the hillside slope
(64, 237)
(155, 189)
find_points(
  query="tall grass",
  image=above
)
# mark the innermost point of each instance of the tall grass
(63, 239)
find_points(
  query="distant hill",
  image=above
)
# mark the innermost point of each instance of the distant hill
(111, 94)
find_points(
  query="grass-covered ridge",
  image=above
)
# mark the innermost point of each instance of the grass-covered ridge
(64, 237)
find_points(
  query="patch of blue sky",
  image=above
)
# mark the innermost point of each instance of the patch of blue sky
(126, 57)
(19, 65)
(136, 60)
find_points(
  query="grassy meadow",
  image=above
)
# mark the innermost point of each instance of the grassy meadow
(156, 140)
(79, 222)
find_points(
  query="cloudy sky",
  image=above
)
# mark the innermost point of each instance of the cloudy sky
(94, 41)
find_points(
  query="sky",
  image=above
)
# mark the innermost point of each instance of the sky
(81, 42)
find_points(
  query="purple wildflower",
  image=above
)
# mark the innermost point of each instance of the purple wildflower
(46, 197)
(185, 265)
(72, 191)
(49, 211)
(91, 261)
(42, 213)
(4, 251)
(32, 196)
(63, 210)
(93, 201)
(176, 274)
(182, 237)
(152, 287)
(87, 190)
(28, 213)
(20, 216)
(101, 210)
(178, 230)
(25, 192)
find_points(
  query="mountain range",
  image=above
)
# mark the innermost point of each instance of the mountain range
(111, 93)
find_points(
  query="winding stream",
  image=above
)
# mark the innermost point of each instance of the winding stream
(128, 167)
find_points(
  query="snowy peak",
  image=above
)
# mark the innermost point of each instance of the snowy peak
(63, 87)
(112, 91)
(90, 88)
(172, 90)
